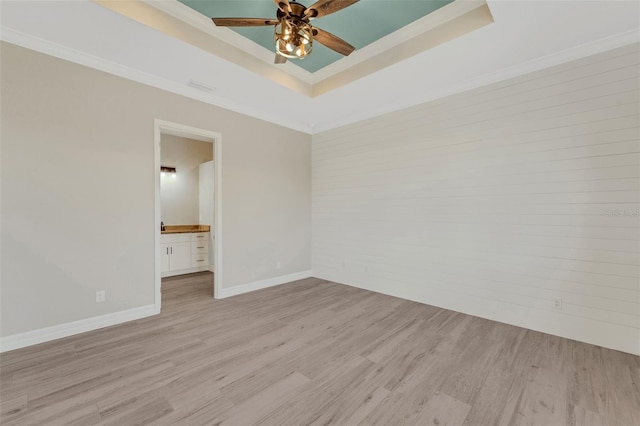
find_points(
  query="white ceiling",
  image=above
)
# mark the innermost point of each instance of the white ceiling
(526, 35)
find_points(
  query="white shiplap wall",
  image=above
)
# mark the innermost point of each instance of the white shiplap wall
(496, 202)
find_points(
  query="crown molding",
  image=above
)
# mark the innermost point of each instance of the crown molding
(53, 49)
(558, 58)
(47, 47)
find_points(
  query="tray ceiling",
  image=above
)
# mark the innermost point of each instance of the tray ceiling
(360, 24)
(447, 21)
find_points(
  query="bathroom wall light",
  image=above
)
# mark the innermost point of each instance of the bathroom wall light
(166, 170)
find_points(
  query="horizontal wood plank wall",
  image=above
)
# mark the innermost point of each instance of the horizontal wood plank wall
(496, 202)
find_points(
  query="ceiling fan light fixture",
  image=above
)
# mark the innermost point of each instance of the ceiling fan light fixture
(294, 35)
(293, 39)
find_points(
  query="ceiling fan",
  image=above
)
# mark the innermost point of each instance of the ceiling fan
(294, 35)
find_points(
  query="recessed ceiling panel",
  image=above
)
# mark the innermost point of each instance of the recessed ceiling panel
(360, 24)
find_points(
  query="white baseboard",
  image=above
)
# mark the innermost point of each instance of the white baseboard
(620, 338)
(257, 285)
(29, 338)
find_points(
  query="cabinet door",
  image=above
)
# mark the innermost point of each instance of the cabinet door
(164, 257)
(180, 256)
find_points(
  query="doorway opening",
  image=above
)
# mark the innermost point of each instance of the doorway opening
(188, 203)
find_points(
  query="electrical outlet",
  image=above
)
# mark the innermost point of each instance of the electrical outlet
(278, 264)
(557, 304)
(101, 296)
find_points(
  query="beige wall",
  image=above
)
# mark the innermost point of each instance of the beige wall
(496, 202)
(179, 194)
(78, 191)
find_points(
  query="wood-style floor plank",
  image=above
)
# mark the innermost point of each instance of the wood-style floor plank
(314, 352)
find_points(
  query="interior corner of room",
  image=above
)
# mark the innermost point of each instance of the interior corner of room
(453, 238)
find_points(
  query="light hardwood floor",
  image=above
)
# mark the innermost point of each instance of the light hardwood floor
(315, 352)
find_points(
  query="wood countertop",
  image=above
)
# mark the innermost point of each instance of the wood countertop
(183, 229)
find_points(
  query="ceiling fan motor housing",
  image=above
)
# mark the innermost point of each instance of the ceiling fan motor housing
(297, 12)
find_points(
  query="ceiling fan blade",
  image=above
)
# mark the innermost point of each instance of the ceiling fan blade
(244, 22)
(332, 41)
(325, 7)
(279, 59)
(284, 6)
